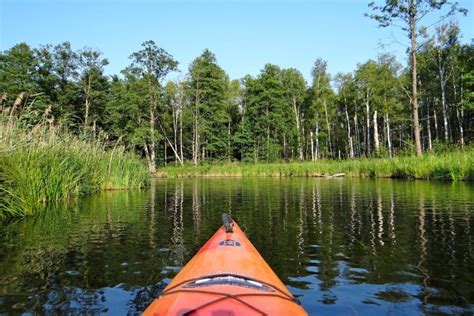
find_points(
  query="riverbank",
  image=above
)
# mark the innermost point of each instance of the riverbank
(453, 166)
(46, 166)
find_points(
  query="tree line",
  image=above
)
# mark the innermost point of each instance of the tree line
(204, 116)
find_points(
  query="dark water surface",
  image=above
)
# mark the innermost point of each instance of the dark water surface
(355, 247)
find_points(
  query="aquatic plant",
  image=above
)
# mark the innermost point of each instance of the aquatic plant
(47, 165)
(455, 166)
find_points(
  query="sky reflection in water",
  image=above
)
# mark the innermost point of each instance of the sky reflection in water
(342, 246)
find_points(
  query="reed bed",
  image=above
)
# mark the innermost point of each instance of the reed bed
(453, 166)
(46, 166)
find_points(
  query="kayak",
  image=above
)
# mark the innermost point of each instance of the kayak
(227, 276)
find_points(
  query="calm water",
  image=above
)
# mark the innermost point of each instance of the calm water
(356, 247)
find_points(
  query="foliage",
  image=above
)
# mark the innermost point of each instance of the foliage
(205, 117)
(454, 165)
(50, 166)
(208, 88)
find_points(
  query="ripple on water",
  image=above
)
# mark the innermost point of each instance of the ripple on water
(352, 247)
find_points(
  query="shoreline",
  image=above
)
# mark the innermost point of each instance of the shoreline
(454, 166)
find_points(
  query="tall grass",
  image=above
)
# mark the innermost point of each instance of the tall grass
(46, 165)
(455, 166)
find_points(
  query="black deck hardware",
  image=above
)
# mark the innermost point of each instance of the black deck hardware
(228, 223)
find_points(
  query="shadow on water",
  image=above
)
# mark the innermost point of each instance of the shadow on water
(342, 246)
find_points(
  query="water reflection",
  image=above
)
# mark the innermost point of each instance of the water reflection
(342, 246)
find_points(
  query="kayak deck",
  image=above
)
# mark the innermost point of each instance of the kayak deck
(227, 276)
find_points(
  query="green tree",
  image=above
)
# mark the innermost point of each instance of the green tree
(152, 64)
(346, 92)
(320, 109)
(17, 78)
(93, 84)
(266, 113)
(234, 112)
(295, 92)
(410, 14)
(209, 88)
(125, 116)
(65, 68)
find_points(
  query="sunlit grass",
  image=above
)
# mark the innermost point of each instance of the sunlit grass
(454, 166)
(44, 167)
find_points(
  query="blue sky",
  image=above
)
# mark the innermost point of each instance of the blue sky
(244, 35)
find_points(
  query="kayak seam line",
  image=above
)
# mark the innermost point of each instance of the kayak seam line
(229, 295)
(290, 297)
(224, 297)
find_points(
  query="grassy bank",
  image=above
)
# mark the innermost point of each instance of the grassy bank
(45, 166)
(456, 166)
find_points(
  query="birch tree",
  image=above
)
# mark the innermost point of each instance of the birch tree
(409, 15)
(295, 90)
(153, 63)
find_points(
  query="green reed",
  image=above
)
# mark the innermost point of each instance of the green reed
(454, 166)
(46, 166)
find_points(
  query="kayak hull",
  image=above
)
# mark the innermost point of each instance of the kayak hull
(227, 276)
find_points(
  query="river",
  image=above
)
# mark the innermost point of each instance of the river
(342, 246)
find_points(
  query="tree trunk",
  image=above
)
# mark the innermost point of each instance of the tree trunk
(86, 114)
(193, 143)
(196, 130)
(444, 105)
(297, 118)
(435, 118)
(175, 131)
(400, 143)
(316, 149)
(87, 92)
(414, 97)
(329, 127)
(151, 149)
(312, 146)
(389, 139)
(349, 137)
(428, 122)
(181, 135)
(165, 152)
(459, 113)
(94, 127)
(367, 126)
(150, 159)
(376, 135)
(228, 142)
(357, 135)
(267, 149)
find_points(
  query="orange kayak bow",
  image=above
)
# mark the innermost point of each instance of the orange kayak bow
(227, 276)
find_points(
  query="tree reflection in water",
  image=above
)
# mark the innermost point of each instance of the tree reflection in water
(341, 245)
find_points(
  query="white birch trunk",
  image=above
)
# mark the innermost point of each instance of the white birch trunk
(367, 130)
(376, 135)
(329, 127)
(151, 149)
(389, 137)
(428, 121)
(316, 153)
(349, 137)
(297, 119)
(181, 134)
(444, 105)
(357, 135)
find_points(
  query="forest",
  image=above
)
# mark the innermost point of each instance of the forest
(204, 116)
